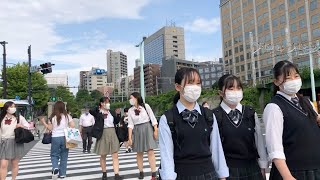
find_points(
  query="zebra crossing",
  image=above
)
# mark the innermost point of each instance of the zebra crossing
(36, 165)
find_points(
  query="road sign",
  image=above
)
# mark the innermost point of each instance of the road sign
(34, 69)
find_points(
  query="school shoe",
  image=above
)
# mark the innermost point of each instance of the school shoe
(55, 173)
(62, 177)
(117, 177)
(141, 175)
(104, 177)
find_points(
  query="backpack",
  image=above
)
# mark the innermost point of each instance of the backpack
(247, 110)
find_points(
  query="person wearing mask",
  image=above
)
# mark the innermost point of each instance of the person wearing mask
(143, 132)
(240, 132)
(105, 133)
(191, 149)
(9, 149)
(58, 121)
(86, 123)
(124, 128)
(292, 132)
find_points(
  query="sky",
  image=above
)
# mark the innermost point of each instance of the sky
(76, 34)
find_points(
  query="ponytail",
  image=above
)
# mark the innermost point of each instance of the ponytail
(176, 98)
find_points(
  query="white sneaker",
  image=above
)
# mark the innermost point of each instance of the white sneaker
(55, 174)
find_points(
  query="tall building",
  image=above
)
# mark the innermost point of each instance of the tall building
(127, 86)
(83, 81)
(95, 78)
(210, 73)
(116, 66)
(169, 68)
(151, 72)
(166, 42)
(55, 80)
(281, 25)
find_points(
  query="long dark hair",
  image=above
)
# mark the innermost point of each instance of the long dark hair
(227, 81)
(186, 74)
(4, 111)
(138, 97)
(284, 68)
(58, 109)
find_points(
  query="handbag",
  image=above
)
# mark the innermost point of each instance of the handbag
(47, 138)
(23, 135)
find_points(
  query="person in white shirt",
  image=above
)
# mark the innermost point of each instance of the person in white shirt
(144, 125)
(86, 123)
(292, 132)
(9, 149)
(58, 121)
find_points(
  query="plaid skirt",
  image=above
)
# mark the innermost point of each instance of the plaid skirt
(208, 176)
(245, 173)
(299, 174)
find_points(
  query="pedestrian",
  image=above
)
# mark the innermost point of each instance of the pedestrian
(58, 121)
(143, 132)
(240, 131)
(292, 132)
(9, 149)
(190, 146)
(104, 131)
(86, 123)
(205, 104)
(124, 129)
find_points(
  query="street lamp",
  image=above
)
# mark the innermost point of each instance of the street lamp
(142, 89)
(4, 72)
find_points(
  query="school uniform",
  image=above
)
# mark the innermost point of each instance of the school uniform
(104, 131)
(242, 141)
(293, 137)
(142, 129)
(194, 153)
(86, 121)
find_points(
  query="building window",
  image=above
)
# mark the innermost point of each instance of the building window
(281, 7)
(260, 29)
(266, 26)
(237, 59)
(301, 10)
(175, 41)
(313, 5)
(274, 10)
(175, 51)
(315, 19)
(207, 76)
(316, 33)
(241, 48)
(275, 22)
(200, 71)
(302, 23)
(282, 19)
(295, 39)
(304, 37)
(293, 27)
(230, 52)
(293, 14)
(242, 67)
(241, 57)
(175, 46)
(213, 69)
(213, 75)
(291, 2)
(175, 37)
(206, 70)
(236, 50)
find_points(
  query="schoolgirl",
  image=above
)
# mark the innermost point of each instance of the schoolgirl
(190, 146)
(240, 131)
(292, 132)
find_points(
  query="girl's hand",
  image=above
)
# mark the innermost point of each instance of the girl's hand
(19, 125)
(155, 134)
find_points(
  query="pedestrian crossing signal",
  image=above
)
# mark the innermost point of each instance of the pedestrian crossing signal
(53, 99)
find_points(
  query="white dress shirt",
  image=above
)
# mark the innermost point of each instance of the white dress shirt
(86, 120)
(7, 129)
(143, 116)
(259, 139)
(273, 120)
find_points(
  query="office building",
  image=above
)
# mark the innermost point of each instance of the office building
(210, 73)
(277, 27)
(116, 66)
(151, 72)
(166, 42)
(83, 81)
(169, 68)
(94, 79)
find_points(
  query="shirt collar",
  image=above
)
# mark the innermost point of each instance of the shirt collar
(181, 107)
(286, 95)
(227, 109)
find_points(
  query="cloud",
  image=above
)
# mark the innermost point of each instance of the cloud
(201, 25)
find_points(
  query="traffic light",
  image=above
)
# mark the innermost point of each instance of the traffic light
(46, 68)
(53, 99)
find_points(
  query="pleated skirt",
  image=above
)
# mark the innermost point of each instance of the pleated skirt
(108, 143)
(143, 140)
(9, 149)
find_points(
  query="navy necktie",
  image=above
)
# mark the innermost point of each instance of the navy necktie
(295, 101)
(234, 115)
(190, 116)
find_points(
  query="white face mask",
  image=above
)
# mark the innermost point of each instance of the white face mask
(11, 110)
(191, 93)
(233, 97)
(107, 106)
(132, 102)
(292, 87)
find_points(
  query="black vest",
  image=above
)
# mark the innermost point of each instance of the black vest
(192, 155)
(238, 141)
(301, 136)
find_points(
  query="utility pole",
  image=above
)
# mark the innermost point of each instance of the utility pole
(253, 64)
(4, 71)
(29, 75)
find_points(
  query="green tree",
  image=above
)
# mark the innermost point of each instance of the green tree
(83, 98)
(63, 94)
(17, 78)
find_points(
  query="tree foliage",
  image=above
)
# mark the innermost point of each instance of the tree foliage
(63, 94)
(17, 78)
